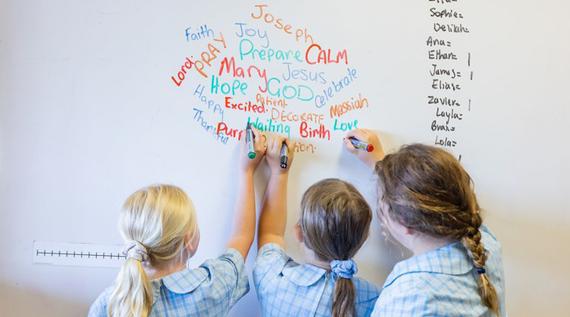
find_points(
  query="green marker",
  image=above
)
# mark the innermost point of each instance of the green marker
(249, 137)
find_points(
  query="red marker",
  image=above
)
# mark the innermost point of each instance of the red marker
(361, 145)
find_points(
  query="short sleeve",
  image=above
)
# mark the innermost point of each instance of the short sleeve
(270, 261)
(99, 306)
(228, 271)
(404, 298)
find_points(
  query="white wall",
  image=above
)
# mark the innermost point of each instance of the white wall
(88, 114)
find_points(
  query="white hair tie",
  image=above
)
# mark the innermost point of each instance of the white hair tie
(343, 269)
(135, 250)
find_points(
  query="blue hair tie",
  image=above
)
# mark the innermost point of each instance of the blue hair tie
(343, 269)
(481, 270)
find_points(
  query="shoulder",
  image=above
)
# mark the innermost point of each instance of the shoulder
(271, 259)
(99, 307)
(365, 291)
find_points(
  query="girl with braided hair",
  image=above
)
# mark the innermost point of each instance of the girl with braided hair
(428, 204)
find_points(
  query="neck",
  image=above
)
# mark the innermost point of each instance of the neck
(311, 258)
(156, 273)
(424, 243)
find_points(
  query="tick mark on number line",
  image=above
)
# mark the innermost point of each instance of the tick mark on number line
(471, 75)
(469, 106)
(459, 159)
(469, 59)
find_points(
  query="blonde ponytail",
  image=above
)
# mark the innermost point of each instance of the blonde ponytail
(132, 296)
(156, 222)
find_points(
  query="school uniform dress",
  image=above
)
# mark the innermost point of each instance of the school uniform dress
(287, 288)
(442, 282)
(209, 290)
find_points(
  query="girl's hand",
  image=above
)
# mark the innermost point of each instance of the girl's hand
(368, 136)
(259, 144)
(274, 145)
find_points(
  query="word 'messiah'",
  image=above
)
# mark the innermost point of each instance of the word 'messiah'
(280, 25)
(206, 57)
(339, 110)
(325, 56)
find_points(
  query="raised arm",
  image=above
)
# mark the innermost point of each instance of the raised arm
(370, 137)
(273, 219)
(244, 218)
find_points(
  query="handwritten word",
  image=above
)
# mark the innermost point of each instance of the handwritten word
(251, 32)
(344, 126)
(443, 101)
(450, 115)
(279, 24)
(304, 147)
(319, 133)
(437, 71)
(341, 109)
(237, 71)
(445, 142)
(208, 127)
(440, 55)
(247, 48)
(271, 126)
(183, 71)
(441, 127)
(227, 88)
(443, 1)
(450, 28)
(199, 93)
(300, 92)
(325, 56)
(206, 57)
(281, 115)
(445, 13)
(204, 32)
(303, 74)
(266, 101)
(437, 42)
(223, 129)
(244, 106)
(444, 85)
(335, 87)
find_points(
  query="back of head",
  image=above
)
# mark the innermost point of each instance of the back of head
(156, 222)
(426, 189)
(335, 220)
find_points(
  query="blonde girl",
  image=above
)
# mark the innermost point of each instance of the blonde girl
(159, 226)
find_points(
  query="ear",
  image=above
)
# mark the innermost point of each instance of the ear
(299, 232)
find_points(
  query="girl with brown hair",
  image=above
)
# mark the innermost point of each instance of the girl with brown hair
(428, 204)
(333, 224)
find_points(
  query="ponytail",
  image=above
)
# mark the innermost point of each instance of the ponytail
(155, 223)
(344, 298)
(426, 189)
(132, 296)
(476, 251)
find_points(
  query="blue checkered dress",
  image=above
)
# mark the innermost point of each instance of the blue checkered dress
(209, 290)
(286, 288)
(441, 282)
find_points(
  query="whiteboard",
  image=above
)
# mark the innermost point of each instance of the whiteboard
(89, 112)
